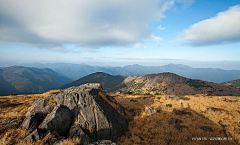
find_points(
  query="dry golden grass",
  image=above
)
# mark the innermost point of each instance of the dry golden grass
(155, 129)
(15, 107)
(70, 142)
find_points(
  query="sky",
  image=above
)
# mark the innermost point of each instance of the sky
(198, 33)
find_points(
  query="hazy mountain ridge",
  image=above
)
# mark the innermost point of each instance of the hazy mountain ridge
(77, 71)
(23, 80)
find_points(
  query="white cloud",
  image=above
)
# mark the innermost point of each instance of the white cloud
(160, 27)
(90, 24)
(154, 38)
(137, 45)
(224, 27)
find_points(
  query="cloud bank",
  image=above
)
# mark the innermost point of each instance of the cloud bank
(224, 27)
(89, 24)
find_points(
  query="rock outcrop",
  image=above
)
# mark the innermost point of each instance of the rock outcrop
(81, 112)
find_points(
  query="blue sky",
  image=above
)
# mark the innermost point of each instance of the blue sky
(198, 33)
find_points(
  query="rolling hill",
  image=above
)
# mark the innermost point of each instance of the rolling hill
(174, 84)
(234, 83)
(23, 80)
(109, 83)
(155, 83)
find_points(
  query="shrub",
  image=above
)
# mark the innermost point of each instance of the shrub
(13, 94)
(157, 94)
(169, 105)
(157, 109)
(137, 94)
(132, 100)
(128, 92)
(147, 94)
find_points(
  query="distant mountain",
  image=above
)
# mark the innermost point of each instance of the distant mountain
(77, 71)
(174, 84)
(234, 83)
(23, 80)
(109, 83)
(155, 83)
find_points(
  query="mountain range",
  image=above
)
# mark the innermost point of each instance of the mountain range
(77, 71)
(25, 80)
(155, 84)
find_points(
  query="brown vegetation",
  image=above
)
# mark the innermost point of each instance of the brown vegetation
(220, 113)
(14, 108)
(193, 112)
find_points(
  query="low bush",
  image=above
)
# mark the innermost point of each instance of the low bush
(169, 105)
(132, 100)
(157, 110)
(128, 92)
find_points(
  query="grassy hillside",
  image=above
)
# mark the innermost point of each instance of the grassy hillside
(174, 84)
(234, 83)
(220, 113)
(23, 80)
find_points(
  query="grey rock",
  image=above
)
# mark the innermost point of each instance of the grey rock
(139, 137)
(179, 127)
(98, 119)
(173, 97)
(206, 129)
(36, 135)
(104, 142)
(59, 120)
(150, 110)
(172, 121)
(38, 105)
(76, 132)
(48, 109)
(209, 110)
(32, 121)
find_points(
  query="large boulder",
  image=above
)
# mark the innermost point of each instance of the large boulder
(59, 120)
(84, 112)
(96, 116)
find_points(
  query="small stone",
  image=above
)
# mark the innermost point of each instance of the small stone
(171, 121)
(206, 129)
(139, 137)
(179, 127)
(150, 110)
